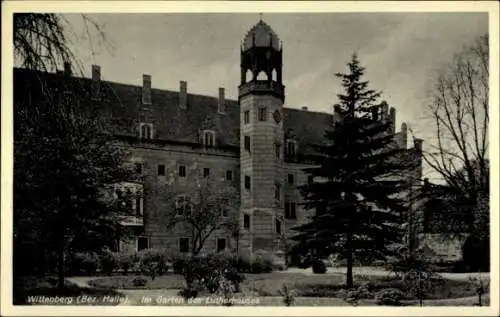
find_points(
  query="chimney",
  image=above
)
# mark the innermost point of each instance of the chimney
(146, 89)
(392, 118)
(304, 108)
(67, 69)
(183, 95)
(96, 81)
(403, 136)
(385, 110)
(418, 144)
(222, 101)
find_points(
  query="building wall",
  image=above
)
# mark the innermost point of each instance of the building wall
(159, 191)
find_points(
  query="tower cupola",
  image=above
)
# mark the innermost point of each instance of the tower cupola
(261, 62)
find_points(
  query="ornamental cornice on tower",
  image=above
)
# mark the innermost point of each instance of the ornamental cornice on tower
(261, 35)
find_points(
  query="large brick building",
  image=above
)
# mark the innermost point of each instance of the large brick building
(255, 144)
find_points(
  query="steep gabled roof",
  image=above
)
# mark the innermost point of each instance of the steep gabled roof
(120, 106)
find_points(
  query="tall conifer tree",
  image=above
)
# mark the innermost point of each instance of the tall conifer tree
(356, 181)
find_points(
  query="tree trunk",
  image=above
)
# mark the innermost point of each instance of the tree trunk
(349, 282)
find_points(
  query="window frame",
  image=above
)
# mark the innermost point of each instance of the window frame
(206, 172)
(247, 143)
(262, 114)
(137, 243)
(182, 168)
(139, 206)
(206, 140)
(249, 187)
(291, 144)
(181, 244)
(278, 225)
(146, 131)
(229, 172)
(246, 117)
(162, 167)
(247, 216)
(217, 244)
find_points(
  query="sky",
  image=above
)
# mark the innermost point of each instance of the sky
(401, 52)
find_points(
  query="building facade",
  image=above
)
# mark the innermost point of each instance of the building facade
(256, 144)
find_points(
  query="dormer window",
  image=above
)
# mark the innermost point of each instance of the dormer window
(146, 131)
(208, 138)
(291, 148)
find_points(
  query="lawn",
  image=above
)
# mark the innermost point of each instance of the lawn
(270, 284)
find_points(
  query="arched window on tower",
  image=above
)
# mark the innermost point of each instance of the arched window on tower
(249, 76)
(274, 75)
(262, 76)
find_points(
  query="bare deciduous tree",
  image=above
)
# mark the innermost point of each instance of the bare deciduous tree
(459, 109)
(205, 204)
(43, 42)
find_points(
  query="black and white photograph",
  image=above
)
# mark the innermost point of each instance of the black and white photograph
(210, 159)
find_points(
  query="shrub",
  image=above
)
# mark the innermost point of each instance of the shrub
(139, 281)
(262, 262)
(85, 262)
(226, 289)
(288, 295)
(153, 262)
(125, 261)
(188, 293)
(389, 296)
(244, 263)
(235, 277)
(211, 271)
(319, 267)
(178, 262)
(109, 261)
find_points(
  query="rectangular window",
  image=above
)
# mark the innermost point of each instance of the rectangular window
(247, 182)
(291, 149)
(184, 245)
(290, 179)
(278, 226)
(246, 117)
(246, 221)
(182, 171)
(161, 170)
(247, 143)
(262, 114)
(277, 149)
(221, 244)
(139, 206)
(138, 168)
(277, 191)
(229, 175)
(142, 243)
(290, 212)
(206, 172)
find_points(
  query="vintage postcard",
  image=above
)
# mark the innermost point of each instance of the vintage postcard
(249, 158)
